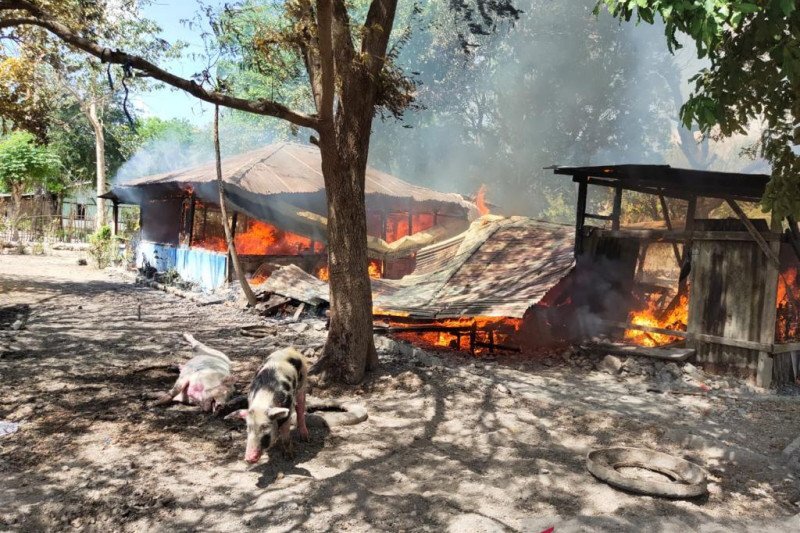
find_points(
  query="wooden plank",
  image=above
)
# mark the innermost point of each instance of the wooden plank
(751, 229)
(785, 347)
(665, 212)
(599, 217)
(667, 354)
(658, 235)
(616, 212)
(649, 329)
(580, 216)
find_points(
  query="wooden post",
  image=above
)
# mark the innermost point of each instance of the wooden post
(115, 215)
(665, 211)
(766, 362)
(580, 216)
(229, 265)
(192, 202)
(472, 336)
(688, 227)
(617, 210)
(410, 219)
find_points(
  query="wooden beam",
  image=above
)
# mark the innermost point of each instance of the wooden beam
(657, 235)
(751, 229)
(616, 211)
(691, 212)
(192, 204)
(580, 217)
(600, 217)
(665, 212)
(713, 339)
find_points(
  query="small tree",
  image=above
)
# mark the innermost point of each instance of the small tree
(24, 166)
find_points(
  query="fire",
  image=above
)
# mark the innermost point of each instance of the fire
(215, 244)
(480, 200)
(265, 239)
(674, 317)
(788, 313)
(375, 271)
(502, 331)
(397, 225)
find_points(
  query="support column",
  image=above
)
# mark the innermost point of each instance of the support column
(580, 215)
(115, 214)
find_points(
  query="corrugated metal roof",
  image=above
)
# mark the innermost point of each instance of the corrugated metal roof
(290, 168)
(502, 267)
(498, 267)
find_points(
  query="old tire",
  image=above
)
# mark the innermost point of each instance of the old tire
(688, 479)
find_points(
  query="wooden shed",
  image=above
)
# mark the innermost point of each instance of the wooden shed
(738, 274)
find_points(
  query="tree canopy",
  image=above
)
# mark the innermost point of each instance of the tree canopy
(25, 164)
(754, 76)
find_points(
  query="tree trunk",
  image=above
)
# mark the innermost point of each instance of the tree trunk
(350, 348)
(16, 210)
(237, 267)
(100, 155)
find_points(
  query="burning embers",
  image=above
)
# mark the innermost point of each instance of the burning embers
(480, 201)
(655, 314)
(473, 334)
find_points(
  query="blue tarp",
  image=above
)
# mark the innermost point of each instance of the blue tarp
(160, 256)
(207, 269)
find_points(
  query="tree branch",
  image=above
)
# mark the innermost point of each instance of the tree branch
(377, 29)
(106, 55)
(342, 36)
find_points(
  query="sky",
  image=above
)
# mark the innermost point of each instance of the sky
(169, 103)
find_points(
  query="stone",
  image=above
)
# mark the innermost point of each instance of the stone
(610, 364)
(298, 327)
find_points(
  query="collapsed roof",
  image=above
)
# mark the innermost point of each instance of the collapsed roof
(499, 267)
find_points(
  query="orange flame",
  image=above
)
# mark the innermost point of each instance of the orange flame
(397, 225)
(653, 316)
(480, 201)
(375, 271)
(265, 239)
(502, 330)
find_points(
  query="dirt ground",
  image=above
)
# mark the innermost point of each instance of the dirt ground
(451, 444)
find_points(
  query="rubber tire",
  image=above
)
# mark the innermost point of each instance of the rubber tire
(690, 479)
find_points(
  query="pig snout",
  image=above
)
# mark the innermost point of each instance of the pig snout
(252, 455)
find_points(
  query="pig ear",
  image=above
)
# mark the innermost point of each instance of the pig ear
(276, 413)
(239, 413)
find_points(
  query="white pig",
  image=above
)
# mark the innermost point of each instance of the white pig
(205, 379)
(277, 389)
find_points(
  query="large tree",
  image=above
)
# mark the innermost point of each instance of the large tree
(350, 76)
(754, 76)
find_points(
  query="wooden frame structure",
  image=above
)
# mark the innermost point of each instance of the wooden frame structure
(734, 265)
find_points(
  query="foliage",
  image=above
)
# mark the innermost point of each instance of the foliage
(754, 75)
(24, 164)
(102, 247)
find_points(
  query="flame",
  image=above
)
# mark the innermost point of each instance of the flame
(675, 318)
(397, 225)
(502, 328)
(215, 244)
(480, 201)
(375, 271)
(787, 322)
(265, 239)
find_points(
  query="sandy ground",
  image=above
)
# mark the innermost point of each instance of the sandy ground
(452, 443)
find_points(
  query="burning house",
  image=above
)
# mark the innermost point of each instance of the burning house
(277, 199)
(732, 297)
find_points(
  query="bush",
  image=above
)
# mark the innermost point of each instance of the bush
(102, 247)
(37, 248)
